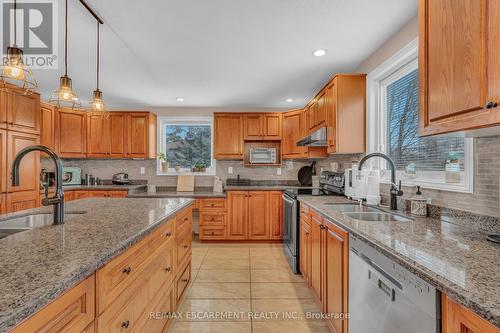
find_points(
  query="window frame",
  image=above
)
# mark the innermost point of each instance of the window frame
(400, 64)
(180, 120)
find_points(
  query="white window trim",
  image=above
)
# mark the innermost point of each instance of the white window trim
(179, 120)
(403, 62)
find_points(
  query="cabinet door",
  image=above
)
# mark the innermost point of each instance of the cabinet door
(29, 169)
(23, 113)
(98, 194)
(336, 254)
(458, 65)
(238, 215)
(275, 210)
(3, 109)
(3, 203)
(304, 254)
(117, 194)
(272, 126)
(137, 135)
(48, 126)
(18, 201)
(316, 261)
(457, 318)
(117, 135)
(228, 136)
(69, 195)
(258, 218)
(320, 114)
(253, 126)
(3, 161)
(331, 116)
(71, 133)
(97, 136)
(292, 133)
(81, 195)
(309, 117)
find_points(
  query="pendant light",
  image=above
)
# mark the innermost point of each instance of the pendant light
(15, 74)
(64, 97)
(97, 106)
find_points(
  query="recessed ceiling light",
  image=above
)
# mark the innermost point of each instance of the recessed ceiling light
(179, 99)
(319, 53)
(289, 100)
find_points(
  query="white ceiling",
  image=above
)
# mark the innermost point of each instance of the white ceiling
(221, 53)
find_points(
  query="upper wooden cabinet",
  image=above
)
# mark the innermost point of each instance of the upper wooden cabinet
(20, 112)
(458, 65)
(48, 125)
(293, 130)
(141, 135)
(71, 133)
(98, 136)
(228, 136)
(118, 130)
(262, 126)
(457, 318)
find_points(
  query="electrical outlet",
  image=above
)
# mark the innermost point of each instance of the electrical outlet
(143, 170)
(278, 171)
(230, 170)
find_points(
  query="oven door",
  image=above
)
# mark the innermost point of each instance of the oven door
(290, 224)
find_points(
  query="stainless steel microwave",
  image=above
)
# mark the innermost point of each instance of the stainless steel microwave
(263, 155)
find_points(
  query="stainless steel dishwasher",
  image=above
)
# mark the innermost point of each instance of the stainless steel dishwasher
(384, 297)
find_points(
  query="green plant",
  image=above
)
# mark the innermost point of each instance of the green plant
(162, 157)
(452, 157)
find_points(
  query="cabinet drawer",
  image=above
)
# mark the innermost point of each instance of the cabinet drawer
(72, 312)
(183, 219)
(212, 219)
(184, 242)
(213, 204)
(117, 275)
(182, 282)
(126, 311)
(212, 232)
(162, 304)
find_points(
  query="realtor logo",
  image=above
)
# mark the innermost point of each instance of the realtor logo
(36, 35)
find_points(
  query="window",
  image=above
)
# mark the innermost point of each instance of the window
(186, 144)
(443, 162)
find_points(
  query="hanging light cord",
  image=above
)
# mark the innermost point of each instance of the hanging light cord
(15, 23)
(66, 40)
(98, 47)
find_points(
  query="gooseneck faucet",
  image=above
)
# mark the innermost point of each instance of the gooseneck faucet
(395, 189)
(58, 200)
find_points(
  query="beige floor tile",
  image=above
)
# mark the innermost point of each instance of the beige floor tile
(214, 310)
(285, 309)
(194, 273)
(223, 276)
(211, 327)
(294, 326)
(268, 263)
(219, 290)
(281, 290)
(269, 252)
(227, 255)
(196, 261)
(226, 264)
(275, 275)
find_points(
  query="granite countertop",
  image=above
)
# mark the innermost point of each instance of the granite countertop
(261, 187)
(41, 264)
(456, 259)
(104, 187)
(175, 194)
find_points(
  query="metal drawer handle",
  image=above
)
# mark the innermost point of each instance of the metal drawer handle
(125, 324)
(127, 270)
(168, 269)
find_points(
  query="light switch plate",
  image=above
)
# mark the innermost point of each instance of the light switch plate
(230, 170)
(143, 170)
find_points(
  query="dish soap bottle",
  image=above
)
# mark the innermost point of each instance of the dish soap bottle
(419, 204)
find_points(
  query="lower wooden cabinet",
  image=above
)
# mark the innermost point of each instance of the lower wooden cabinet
(238, 215)
(80, 195)
(258, 218)
(304, 248)
(72, 312)
(275, 215)
(458, 319)
(316, 255)
(18, 201)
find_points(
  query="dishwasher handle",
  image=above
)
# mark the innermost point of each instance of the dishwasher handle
(377, 270)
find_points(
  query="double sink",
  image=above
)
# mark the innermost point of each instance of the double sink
(367, 213)
(28, 222)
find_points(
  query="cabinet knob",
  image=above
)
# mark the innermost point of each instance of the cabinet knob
(127, 270)
(168, 269)
(212, 233)
(322, 227)
(491, 105)
(168, 234)
(184, 280)
(125, 324)
(185, 246)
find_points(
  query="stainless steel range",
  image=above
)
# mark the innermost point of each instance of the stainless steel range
(331, 183)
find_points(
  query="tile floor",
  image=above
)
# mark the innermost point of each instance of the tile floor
(245, 288)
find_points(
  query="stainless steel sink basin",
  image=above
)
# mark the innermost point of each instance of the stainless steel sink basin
(377, 217)
(27, 222)
(346, 208)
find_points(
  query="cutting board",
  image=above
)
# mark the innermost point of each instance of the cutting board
(185, 183)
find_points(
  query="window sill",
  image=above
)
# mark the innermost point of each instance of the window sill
(436, 182)
(181, 173)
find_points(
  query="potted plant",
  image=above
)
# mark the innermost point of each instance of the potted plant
(452, 168)
(199, 167)
(163, 162)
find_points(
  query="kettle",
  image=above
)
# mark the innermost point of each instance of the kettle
(120, 178)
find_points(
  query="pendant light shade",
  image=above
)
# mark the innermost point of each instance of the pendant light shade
(64, 96)
(15, 76)
(97, 106)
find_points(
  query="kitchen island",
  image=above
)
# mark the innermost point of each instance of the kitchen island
(41, 264)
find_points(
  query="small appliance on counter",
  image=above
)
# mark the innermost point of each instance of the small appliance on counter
(218, 187)
(71, 176)
(120, 178)
(263, 155)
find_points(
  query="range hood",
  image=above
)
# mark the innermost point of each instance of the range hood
(316, 139)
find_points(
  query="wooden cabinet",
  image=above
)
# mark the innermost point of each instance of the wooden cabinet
(18, 201)
(213, 219)
(3, 203)
(48, 126)
(228, 136)
(118, 135)
(98, 136)
(252, 123)
(29, 168)
(238, 215)
(3, 161)
(457, 318)
(74, 311)
(458, 65)
(272, 125)
(80, 195)
(293, 131)
(304, 249)
(3, 109)
(23, 113)
(320, 111)
(71, 133)
(141, 135)
(69, 195)
(336, 275)
(316, 271)
(258, 218)
(262, 126)
(275, 214)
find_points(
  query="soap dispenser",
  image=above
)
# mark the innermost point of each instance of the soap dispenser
(419, 204)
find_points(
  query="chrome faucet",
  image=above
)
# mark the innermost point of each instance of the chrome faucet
(58, 200)
(395, 189)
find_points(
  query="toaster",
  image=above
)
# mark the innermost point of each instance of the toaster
(120, 178)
